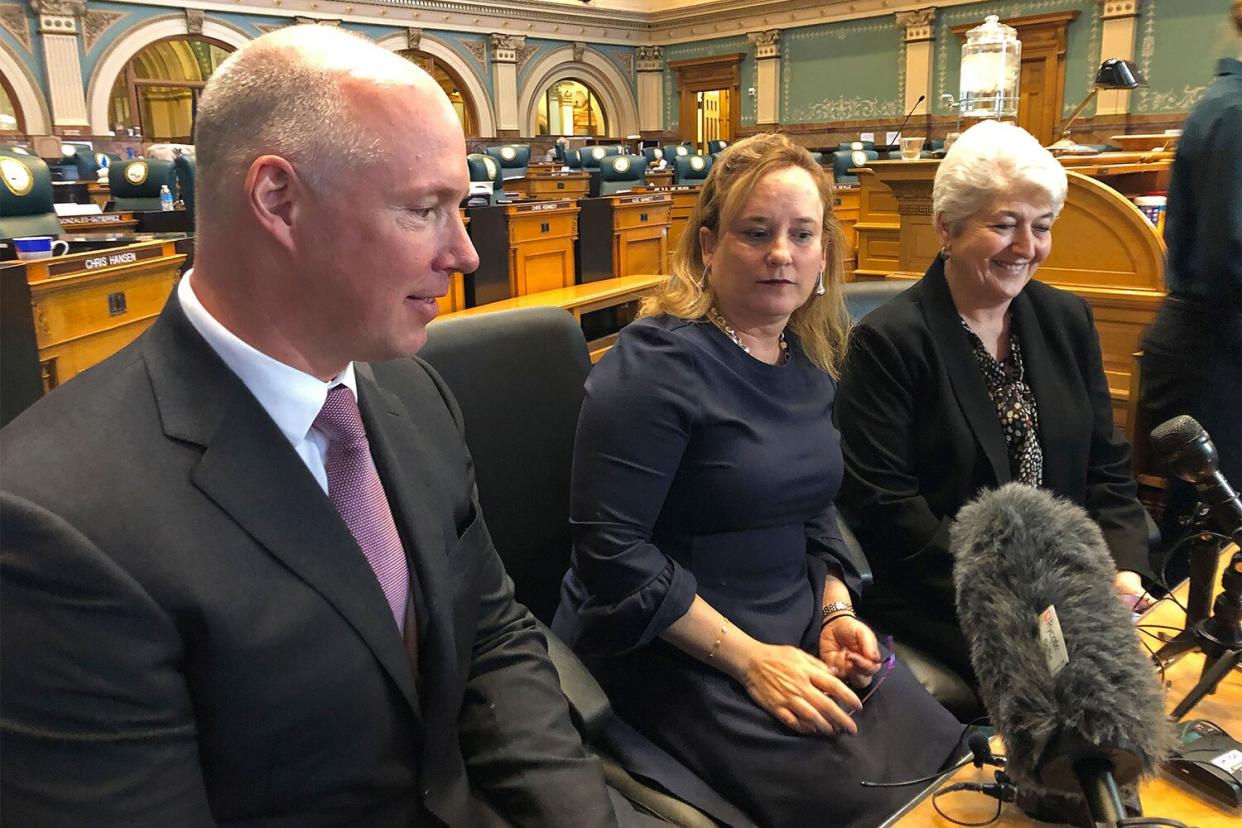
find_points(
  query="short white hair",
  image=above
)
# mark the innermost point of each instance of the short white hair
(989, 160)
(282, 94)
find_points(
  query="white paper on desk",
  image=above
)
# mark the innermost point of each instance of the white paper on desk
(892, 138)
(866, 136)
(65, 209)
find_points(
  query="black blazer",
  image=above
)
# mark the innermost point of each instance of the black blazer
(191, 635)
(921, 437)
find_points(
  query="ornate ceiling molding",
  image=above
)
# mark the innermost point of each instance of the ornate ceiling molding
(570, 22)
(13, 20)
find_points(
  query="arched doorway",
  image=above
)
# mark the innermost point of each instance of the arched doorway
(156, 94)
(571, 107)
(11, 120)
(452, 85)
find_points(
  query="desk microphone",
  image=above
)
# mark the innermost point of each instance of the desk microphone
(908, 114)
(1061, 671)
(1188, 453)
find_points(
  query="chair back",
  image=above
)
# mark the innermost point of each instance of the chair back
(674, 151)
(135, 185)
(518, 376)
(185, 168)
(621, 172)
(513, 158)
(26, 197)
(653, 154)
(856, 145)
(691, 169)
(592, 156)
(714, 147)
(485, 168)
(573, 158)
(861, 298)
(845, 160)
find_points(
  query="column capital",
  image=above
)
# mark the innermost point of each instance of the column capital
(413, 38)
(1113, 9)
(767, 44)
(918, 24)
(59, 16)
(506, 46)
(650, 59)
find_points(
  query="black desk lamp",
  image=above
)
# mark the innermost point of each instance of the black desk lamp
(1114, 73)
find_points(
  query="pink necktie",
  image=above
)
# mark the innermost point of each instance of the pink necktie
(354, 488)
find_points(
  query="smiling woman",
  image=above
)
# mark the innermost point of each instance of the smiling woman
(974, 377)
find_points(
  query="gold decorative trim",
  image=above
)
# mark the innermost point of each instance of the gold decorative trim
(17, 177)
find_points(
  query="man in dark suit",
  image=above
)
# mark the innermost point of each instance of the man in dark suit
(245, 584)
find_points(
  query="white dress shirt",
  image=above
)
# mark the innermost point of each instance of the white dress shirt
(291, 397)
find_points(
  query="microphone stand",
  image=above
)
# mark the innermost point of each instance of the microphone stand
(1219, 637)
(1203, 556)
(891, 147)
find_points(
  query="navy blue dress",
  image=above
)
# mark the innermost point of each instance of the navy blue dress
(701, 470)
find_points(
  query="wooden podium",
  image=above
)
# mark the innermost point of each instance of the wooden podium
(545, 186)
(624, 235)
(523, 248)
(64, 314)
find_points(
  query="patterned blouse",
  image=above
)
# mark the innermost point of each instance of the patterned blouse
(1015, 406)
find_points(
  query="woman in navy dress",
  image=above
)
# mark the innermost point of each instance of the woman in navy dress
(710, 590)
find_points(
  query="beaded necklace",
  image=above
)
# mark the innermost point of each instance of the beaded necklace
(717, 319)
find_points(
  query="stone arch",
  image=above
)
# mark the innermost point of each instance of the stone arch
(603, 76)
(36, 116)
(474, 85)
(123, 49)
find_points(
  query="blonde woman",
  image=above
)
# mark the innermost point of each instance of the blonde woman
(709, 587)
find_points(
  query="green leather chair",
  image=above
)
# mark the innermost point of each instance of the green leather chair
(26, 197)
(674, 151)
(691, 169)
(514, 159)
(845, 160)
(185, 168)
(621, 172)
(653, 154)
(486, 168)
(135, 185)
(573, 159)
(856, 145)
(592, 156)
(714, 147)
(78, 164)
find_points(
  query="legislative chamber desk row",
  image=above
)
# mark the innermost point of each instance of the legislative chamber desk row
(1161, 796)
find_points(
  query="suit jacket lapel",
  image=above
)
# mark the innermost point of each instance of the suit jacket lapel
(252, 473)
(405, 465)
(967, 381)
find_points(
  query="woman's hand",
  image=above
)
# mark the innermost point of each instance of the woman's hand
(1130, 587)
(849, 648)
(799, 690)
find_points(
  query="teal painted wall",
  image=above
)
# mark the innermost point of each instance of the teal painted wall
(710, 48)
(1177, 46)
(842, 71)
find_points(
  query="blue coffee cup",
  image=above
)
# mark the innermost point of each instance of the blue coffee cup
(38, 247)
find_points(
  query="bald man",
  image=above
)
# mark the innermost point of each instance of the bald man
(243, 583)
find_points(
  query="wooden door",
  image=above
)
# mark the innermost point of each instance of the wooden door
(721, 72)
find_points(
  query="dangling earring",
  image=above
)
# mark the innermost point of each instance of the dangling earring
(707, 269)
(944, 253)
(819, 284)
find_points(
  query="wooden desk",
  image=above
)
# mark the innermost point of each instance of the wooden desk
(1139, 143)
(659, 178)
(64, 314)
(523, 248)
(101, 224)
(846, 207)
(1160, 796)
(624, 235)
(578, 300)
(554, 185)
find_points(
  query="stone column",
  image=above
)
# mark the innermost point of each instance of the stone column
(504, 76)
(58, 29)
(768, 63)
(650, 89)
(918, 45)
(1117, 41)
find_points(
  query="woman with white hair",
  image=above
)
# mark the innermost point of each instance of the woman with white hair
(974, 377)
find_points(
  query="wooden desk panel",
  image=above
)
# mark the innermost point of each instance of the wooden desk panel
(659, 178)
(523, 248)
(846, 207)
(558, 185)
(624, 235)
(1161, 796)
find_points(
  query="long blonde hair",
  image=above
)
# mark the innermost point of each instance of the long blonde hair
(822, 324)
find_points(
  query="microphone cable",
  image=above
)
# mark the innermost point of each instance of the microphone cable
(1002, 790)
(979, 757)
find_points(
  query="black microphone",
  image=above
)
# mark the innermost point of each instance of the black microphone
(1061, 671)
(908, 114)
(1188, 453)
(982, 751)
